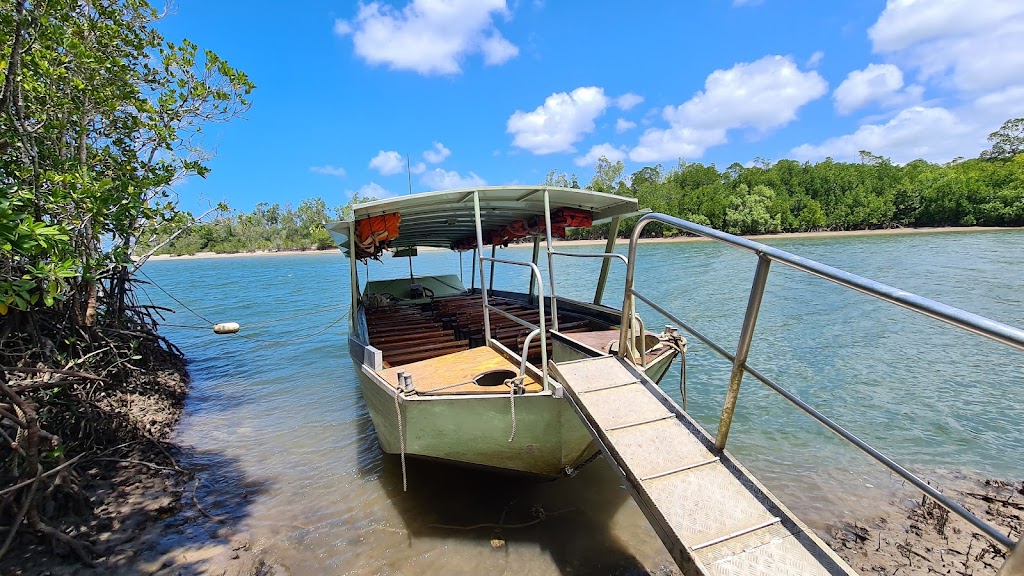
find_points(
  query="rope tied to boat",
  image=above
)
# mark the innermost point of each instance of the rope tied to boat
(515, 386)
(401, 438)
(678, 342)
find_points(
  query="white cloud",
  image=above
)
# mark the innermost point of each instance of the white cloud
(328, 170)
(607, 150)
(387, 162)
(440, 179)
(437, 154)
(429, 36)
(560, 122)
(997, 107)
(880, 83)
(975, 44)
(497, 50)
(934, 134)
(623, 125)
(815, 59)
(372, 190)
(762, 95)
(628, 100)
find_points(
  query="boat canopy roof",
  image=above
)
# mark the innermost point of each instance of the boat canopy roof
(442, 219)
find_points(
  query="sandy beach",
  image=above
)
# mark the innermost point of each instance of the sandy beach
(673, 239)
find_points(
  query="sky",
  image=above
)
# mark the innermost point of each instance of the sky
(495, 92)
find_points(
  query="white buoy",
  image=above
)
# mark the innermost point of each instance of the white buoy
(226, 328)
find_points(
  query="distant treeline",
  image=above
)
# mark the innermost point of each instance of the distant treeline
(268, 227)
(790, 196)
(785, 196)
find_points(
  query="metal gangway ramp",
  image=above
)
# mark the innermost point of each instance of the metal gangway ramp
(711, 514)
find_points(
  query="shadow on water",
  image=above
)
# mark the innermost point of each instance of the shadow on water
(570, 519)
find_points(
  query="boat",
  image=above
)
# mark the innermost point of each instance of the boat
(535, 383)
(461, 374)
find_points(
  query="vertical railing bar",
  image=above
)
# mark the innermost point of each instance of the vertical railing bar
(626, 320)
(534, 270)
(536, 254)
(551, 258)
(742, 349)
(490, 279)
(483, 280)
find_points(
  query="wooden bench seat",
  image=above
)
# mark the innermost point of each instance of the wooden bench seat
(399, 358)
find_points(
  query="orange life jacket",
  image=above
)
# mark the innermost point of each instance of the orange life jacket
(376, 233)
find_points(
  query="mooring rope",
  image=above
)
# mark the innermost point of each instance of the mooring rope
(260, 323)
(514, 384)
(171, 296)
(401, 439)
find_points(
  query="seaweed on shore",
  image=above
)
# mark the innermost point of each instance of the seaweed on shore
(920, 537)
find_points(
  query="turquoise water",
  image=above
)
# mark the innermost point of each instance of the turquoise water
(320, 496)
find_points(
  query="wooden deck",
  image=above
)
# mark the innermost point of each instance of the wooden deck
(409, 333)
(456, 367)
(602, 341)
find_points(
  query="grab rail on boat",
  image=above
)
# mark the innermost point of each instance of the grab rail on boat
(632, 327)
(488, 307)
(962, 319)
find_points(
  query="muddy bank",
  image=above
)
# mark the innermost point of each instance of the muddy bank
(916, 536)
(145, 507)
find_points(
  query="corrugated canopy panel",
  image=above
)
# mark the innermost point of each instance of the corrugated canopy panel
(442, 218)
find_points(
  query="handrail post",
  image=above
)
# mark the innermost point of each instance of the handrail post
(480, 253)
(626, 321)
(536, 254)
(606, 265)
(551, 259)
(494, 252)
(742, 349)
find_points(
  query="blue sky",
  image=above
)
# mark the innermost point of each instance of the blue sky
(493, 92)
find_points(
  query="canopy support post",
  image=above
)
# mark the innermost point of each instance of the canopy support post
(606, 263)
(536, 256)
(353, 276)
(483, 291)
(551, 258)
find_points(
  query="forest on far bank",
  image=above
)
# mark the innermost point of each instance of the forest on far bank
(766, 197)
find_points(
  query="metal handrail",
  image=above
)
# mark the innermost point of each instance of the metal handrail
(965, 320)
(592, 255)
(535, 271)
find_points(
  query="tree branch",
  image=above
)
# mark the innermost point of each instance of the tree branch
(185, 228)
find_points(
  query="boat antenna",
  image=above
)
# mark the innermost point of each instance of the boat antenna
(408, 170)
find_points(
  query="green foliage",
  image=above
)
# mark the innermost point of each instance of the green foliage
(749, 211)
(99, 116)
(789, 196)
(268, 227)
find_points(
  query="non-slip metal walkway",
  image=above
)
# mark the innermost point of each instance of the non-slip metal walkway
(711, 514)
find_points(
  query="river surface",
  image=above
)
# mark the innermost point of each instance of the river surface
(289, 452)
